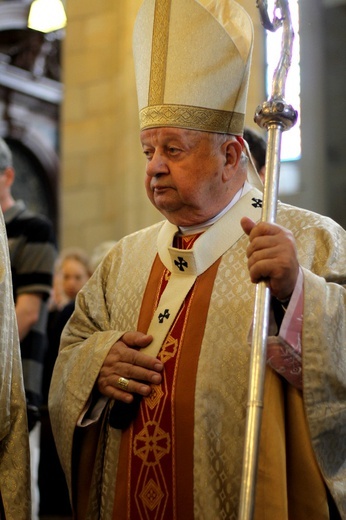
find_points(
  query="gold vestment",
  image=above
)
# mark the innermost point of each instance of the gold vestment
(14, 441)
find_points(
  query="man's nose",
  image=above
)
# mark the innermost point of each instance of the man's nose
(157, 165)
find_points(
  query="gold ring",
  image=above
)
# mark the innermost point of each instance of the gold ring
(122, 383)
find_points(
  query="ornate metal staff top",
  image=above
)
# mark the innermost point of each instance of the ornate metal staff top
(275, 115)
(275, 109)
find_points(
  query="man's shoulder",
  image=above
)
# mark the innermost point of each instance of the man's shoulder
(141, 244)
(301, 218)
(134, 251)
(144, 235)
(34, 218)
(34, 225)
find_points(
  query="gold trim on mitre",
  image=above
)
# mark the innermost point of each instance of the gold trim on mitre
(159, 51)
(192, 61)
(194, 118)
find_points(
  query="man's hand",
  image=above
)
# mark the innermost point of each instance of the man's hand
(272, 256)
(125, 360)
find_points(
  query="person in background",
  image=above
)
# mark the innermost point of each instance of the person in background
(15, 499)
(32, 250)
(75, 270)
(149, 391)
(258, 149)
(72, 271)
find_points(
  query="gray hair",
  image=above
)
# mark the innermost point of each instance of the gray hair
(5, 156)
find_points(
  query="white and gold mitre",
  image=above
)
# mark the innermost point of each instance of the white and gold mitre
(192, 63)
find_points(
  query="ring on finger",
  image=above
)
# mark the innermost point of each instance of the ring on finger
(122, 383)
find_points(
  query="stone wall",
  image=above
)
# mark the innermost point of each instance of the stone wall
(102, 195)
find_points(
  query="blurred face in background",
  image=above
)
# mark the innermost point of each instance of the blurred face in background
(74, 275)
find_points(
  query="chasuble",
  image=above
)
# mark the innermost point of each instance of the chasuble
(182, 459)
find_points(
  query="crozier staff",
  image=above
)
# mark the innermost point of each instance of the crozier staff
(165, 320)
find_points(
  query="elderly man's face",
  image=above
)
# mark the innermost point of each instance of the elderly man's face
(185, 174)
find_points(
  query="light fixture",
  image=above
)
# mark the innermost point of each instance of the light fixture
(46, 15)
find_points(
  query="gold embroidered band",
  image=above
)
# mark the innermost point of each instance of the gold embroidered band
(196, 118)
(159, 51)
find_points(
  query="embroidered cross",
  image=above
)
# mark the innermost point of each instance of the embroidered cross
(164, 315)
(257, 203)
(181, 263)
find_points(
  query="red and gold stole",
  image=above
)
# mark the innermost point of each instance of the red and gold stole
(158, 446)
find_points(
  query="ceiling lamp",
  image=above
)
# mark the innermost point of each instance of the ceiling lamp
(46, 15)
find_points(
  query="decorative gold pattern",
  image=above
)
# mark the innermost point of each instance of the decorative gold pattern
(155, 396)
(159, 51)
(151, 443)
(196, 118)
(169, 348)
(151, 495)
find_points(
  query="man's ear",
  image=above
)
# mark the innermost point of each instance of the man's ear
(232, 150)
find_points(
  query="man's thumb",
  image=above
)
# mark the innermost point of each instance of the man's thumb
(247, 224)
